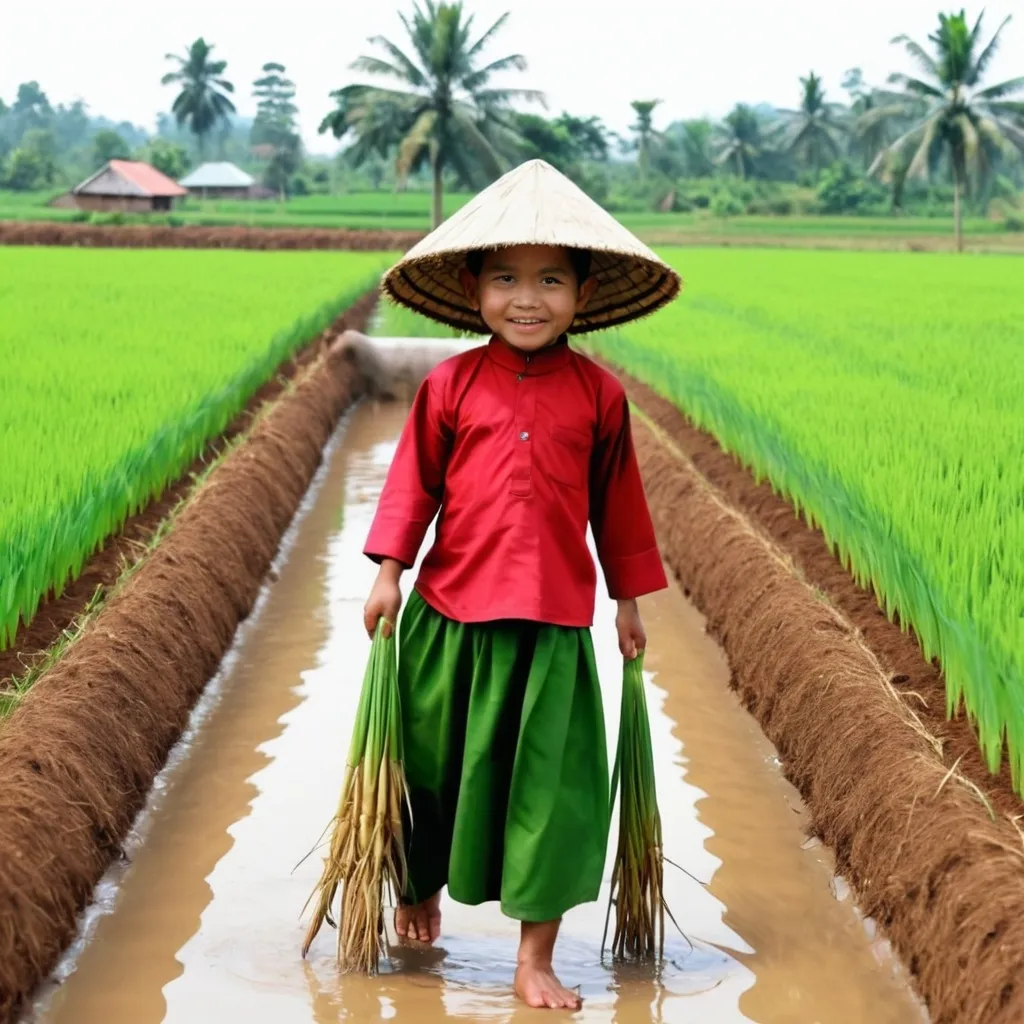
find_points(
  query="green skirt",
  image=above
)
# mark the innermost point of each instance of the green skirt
(506, 761)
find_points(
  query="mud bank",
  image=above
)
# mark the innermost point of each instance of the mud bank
(101, 571)
(136, 236)
(78, 755)
(942, 876)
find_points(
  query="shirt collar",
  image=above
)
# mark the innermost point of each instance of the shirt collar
(545, 360)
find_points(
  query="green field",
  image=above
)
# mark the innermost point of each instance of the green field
(118, 366)
(883, 393)
(384, 211)
(410, 211)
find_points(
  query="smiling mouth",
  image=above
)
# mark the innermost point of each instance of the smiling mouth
(526, 321)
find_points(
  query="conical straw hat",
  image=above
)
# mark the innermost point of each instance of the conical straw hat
(533, 205)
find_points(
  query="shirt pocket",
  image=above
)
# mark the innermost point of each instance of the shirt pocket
(569, 461)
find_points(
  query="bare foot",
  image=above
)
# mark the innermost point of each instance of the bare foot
(537, 986)
(422, 921)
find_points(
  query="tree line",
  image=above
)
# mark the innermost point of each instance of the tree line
(44, 146)
(942, 135)
(441, 110)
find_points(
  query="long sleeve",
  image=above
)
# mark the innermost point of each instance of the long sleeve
(623, 531)
(415, 482)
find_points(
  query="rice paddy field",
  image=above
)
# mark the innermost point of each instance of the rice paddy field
(410, 211)
(118, 367)
(881, 393)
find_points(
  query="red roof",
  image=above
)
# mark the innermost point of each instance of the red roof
(149, 179)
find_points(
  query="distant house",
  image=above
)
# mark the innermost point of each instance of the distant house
(125, 185)
(219, 181)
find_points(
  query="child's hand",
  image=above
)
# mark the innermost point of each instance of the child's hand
(632, 638)
(385, 599)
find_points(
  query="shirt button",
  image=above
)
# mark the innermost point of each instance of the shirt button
(519, 376)
(524, 436)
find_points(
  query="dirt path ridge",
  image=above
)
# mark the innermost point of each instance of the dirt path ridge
(193, 236)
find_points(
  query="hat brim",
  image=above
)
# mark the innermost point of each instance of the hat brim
(629, 286)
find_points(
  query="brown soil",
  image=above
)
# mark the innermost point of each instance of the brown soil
(918, 680)
(79, 754)
(195, 237)
(943, 879)
(59, 613)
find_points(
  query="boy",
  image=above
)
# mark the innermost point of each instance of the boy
(518, 445)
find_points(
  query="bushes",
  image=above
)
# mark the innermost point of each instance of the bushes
(844, 190)
(726, 204)
(779, 206)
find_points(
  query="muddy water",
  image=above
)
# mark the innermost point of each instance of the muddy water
(204, 924)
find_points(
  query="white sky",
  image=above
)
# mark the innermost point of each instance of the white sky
(588, 57)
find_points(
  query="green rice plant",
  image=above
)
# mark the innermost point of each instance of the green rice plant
(883, 395)
(119, 367)
(637, 890)
(366, 852)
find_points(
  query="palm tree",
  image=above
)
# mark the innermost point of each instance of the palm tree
(968, 125)
(693, 139)
(814, 131)
(203, 100)
(645, 133)
(739, 139)
(867, 139)
(447, 114)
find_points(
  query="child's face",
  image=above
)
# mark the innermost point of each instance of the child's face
(528, 294)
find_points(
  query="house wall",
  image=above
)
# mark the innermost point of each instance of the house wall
(124, 204)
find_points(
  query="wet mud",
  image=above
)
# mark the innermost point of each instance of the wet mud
(940, 874)
(204, 922)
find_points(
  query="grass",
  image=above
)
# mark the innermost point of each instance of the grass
(385, 211)
(118, 367)
(882, 394)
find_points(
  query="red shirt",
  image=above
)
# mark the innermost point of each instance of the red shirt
(518, 453)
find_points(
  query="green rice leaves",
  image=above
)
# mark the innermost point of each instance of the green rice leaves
(637, 891)
(118, 367)
(881, 394)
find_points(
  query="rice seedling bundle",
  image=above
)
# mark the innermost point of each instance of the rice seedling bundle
(117, 367)
(365, 854)
(883, 394)
(637, 890)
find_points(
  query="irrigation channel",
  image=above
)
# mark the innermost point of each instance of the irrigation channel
(202, 922)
